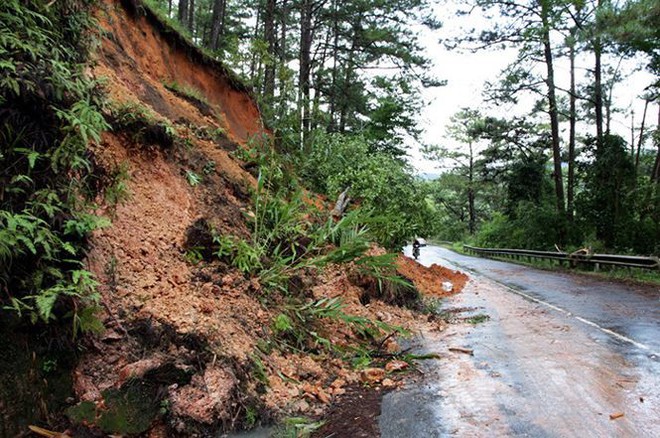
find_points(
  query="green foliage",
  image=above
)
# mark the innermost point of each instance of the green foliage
(288, 235)
(289, 238)
(607, 202)
(297, 427)
(117, 191)
(533, 226)
(392, 116)
(635, 27)
(192, 178)
(143, 125)
(159, 9)
(49, 113)
(186, 91)
(298, 326)
(392, 202)
(477, 319)
(194, 255)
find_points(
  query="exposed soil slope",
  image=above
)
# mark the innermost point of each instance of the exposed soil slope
(186, 351)
(140, 54)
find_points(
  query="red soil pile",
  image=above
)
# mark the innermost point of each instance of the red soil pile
(201, 330)
(431, 280)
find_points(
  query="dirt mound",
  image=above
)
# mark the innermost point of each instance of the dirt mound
(435, 280)
(187, 348)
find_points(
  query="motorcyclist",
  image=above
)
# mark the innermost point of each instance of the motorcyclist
(416, 245)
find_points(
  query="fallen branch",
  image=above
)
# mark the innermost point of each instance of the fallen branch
(462, 350)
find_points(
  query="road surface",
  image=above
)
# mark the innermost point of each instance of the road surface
(561, 355)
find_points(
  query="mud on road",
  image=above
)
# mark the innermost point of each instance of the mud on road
(533, 371)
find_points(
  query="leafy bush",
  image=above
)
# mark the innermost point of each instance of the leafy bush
(533, 227)
(289, 235)
(298, 326)
(392, 203)
(48, 114)
(606, 203)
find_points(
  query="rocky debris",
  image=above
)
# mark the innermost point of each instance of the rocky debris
(391, 346)
(388, 383)
(372, 375)
(396, 365)
(207, 398)
(139, 369)
(315, 392)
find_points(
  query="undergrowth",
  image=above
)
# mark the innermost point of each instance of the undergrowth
(49, 112)
(290, 240)
(297, 427)
(187, 91)
(143, 125)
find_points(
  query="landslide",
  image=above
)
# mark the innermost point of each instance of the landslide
(140, 54)
(185, 349)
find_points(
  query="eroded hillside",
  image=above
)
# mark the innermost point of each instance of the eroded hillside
(191, 344)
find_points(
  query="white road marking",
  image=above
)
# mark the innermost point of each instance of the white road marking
(560, 310)
(582, 320)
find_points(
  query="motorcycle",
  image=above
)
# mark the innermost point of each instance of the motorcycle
(415, 251)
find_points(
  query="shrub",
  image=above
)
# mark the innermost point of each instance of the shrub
(392, 203)
(48, 114)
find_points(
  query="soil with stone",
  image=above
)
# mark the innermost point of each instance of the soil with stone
(354, 414)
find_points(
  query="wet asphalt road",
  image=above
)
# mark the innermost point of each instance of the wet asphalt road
(630, 311)
(560, 355)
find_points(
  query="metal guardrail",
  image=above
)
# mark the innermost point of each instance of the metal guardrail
(571, 259)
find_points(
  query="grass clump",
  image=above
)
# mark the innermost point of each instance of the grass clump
(143, 125)
(297, 427)
(477, 319)
(186, 92)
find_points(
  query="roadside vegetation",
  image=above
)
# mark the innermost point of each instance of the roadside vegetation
(558, 175)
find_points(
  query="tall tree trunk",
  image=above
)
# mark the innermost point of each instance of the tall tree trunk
(255, 63)
(191, 17)
(320, 57)
(305, 70)
(183, 12)
(218, 22)
(632, 134)
(283, 57)
(655, 174)
(552, 104)
(641, 136)
(348, 74)
(270, 38)
(169, 8)
(472, 212)
(598, 84)
(572, 116)
(332, 125)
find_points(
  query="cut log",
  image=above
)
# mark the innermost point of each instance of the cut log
(341, 204)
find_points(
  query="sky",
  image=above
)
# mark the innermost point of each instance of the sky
(467, 72)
